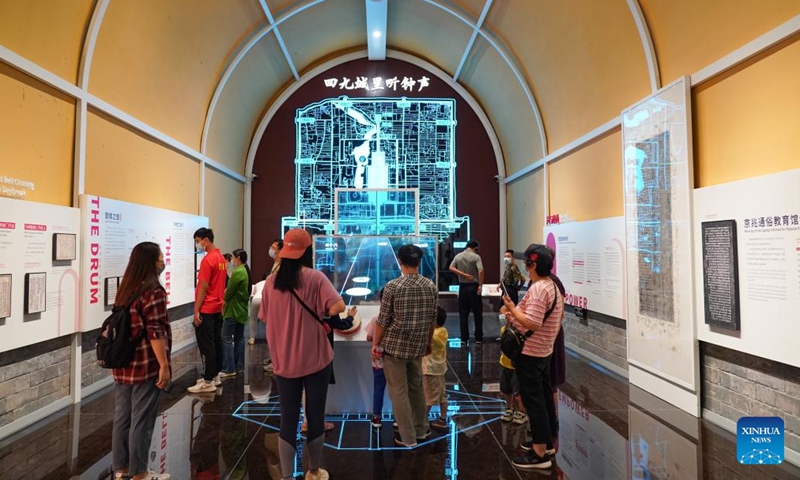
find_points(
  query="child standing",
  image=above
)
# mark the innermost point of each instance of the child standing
(434, 367)
(378, 377)
(509, 386)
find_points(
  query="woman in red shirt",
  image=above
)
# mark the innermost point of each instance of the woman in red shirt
(139, 385)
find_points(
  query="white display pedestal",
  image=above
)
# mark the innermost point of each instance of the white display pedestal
(352, 366)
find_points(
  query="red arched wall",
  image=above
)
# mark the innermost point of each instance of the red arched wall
(476, 188)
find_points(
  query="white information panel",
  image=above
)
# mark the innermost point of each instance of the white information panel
(110, 231)
(658, 183)
(767, 215)
(590, 261)
(30, 280)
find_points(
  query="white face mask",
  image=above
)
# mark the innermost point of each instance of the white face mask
(507, 260)
(230, 269)
(272, 253)
(198, 247)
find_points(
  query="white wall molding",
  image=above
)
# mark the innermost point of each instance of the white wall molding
(434, 70)
(278, 37)
(234, 62)
(34, 417)
(647, 44)
(744, 53)
(567, 149)
(45, 76)
(472, 38)
(511, 64)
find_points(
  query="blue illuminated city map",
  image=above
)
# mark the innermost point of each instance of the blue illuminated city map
(377, 143)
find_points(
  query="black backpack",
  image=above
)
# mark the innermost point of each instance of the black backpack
(115, 346)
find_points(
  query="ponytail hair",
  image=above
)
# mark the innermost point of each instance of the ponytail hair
(242, 256)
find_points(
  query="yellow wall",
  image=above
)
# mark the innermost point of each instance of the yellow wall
(224, 207)
(587, 185)
(124, 165)
(159, 61)
(526, 211)
(747, 123)
(37, 125)
(46, 32)
(583, 58)
(690, 34)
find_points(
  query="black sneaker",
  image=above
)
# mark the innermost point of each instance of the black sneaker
(478, 342)
(527, 445)
(531, 461)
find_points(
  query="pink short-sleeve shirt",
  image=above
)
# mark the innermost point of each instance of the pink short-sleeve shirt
(297, 341)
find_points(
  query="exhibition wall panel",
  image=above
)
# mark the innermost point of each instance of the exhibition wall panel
(36, 140)
(689, 35)
(746, 121)
(223, 207)
(159, 61)
(124, 165)
(38, 294)
(765, 211)
(566, 48)
(49, 34)
(587, 185)
(110, 230)
(526, 211)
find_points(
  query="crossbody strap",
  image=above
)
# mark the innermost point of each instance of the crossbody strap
(547, 313)
(308, 309)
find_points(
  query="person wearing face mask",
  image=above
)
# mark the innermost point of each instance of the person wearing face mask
(208, 311)
(540, 313)
(274, 251)
(138, 386)
(235, 313)
(512, 278)
(469, 268)
(228, 267)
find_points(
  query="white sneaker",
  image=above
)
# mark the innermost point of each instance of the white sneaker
(520, 418)
(151, 475)
(268, 367)
(321, 474)
(508, 415)
(252, 341)
(202, 387)
(225, 375)
(217, 381)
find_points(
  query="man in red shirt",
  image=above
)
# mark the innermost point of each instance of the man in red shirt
(208, 310)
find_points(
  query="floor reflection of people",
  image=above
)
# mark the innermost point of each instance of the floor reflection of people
(204, 456)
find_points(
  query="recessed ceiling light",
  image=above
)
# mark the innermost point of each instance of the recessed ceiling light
(376, 34)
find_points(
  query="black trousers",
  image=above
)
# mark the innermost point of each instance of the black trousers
(209, 341)
(290, 391)
(537, 396)
(513, 293)
(469, 300)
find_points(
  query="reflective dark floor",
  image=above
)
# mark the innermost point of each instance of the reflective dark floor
(609, 430)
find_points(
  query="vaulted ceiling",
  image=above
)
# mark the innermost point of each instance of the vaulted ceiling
(546, 72)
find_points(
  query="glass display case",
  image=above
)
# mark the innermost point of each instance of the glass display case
(359, 266)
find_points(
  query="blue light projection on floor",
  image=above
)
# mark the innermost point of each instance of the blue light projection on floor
(465, 412)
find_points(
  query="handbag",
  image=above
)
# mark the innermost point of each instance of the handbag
(512, 340)
(328, 330)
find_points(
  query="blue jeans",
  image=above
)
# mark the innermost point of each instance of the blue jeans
(379, 388)
(232, 346)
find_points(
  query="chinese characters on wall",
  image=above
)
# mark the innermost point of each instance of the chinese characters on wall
(378, 83)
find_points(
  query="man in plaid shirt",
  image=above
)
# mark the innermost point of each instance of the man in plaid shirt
(404, 329)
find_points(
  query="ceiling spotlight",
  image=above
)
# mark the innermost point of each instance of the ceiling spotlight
(376, 34)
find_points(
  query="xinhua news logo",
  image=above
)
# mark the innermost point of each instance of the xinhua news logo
(759, 440)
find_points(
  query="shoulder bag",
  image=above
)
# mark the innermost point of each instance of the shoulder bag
(512, 340)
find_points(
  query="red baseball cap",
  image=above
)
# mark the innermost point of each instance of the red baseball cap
(295, 243)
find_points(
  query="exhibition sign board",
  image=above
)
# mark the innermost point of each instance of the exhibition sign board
(39, 295)
(765, 213)
(590, 261)
(111, 229)
(658, 185)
